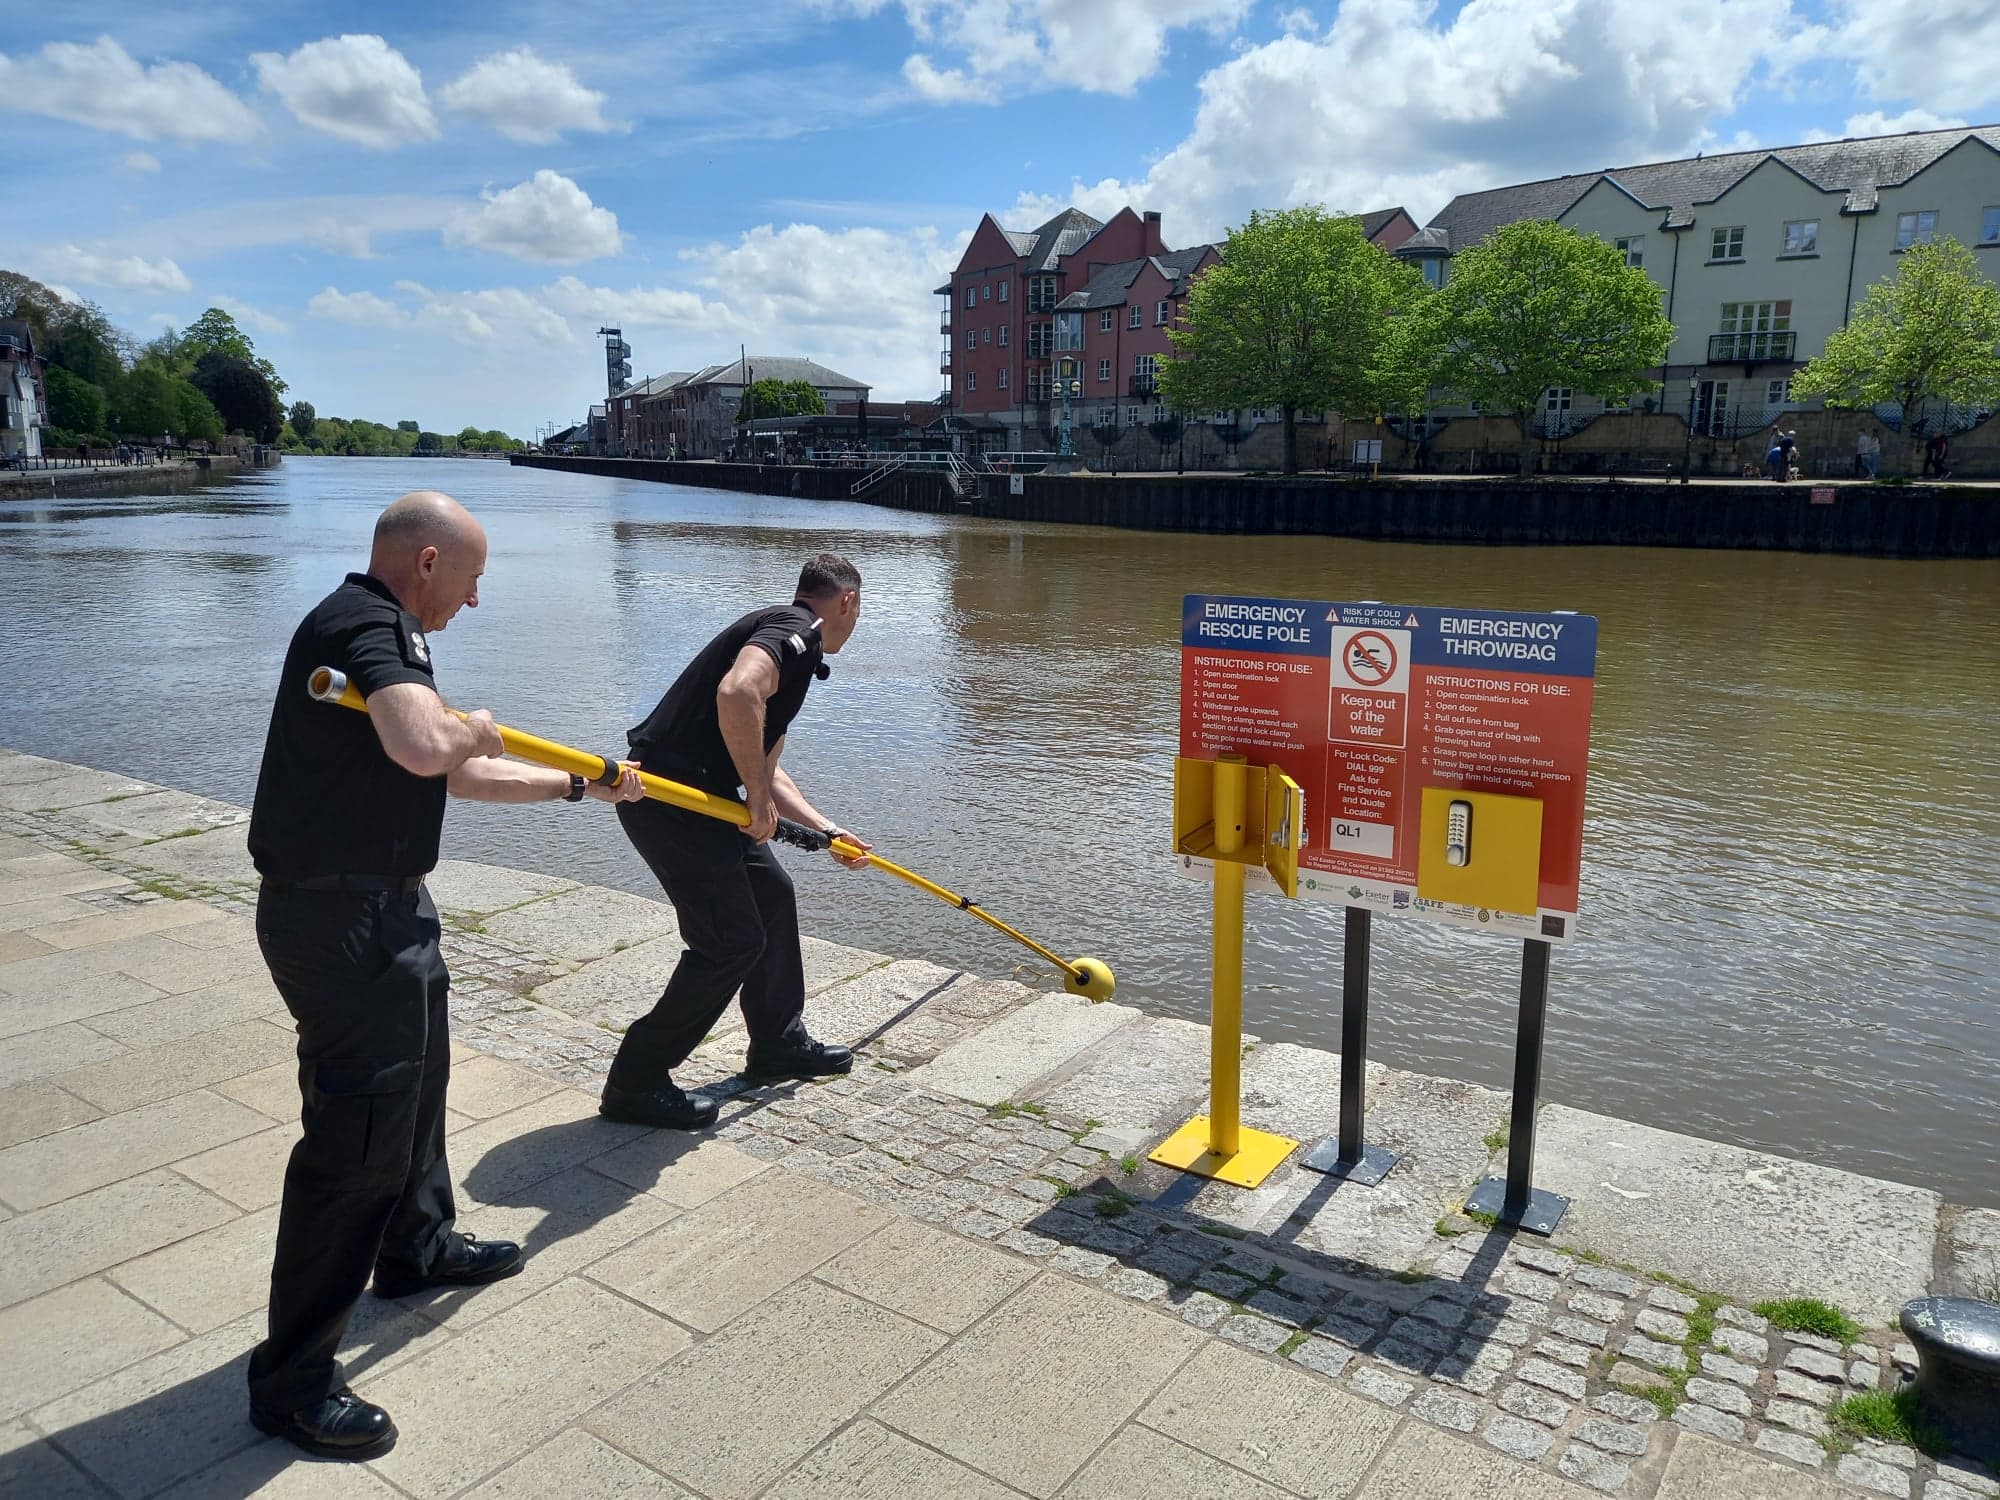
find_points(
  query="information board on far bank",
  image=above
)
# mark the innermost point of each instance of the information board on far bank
(1366, 705)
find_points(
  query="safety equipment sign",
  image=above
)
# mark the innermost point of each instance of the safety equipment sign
(1366, 705)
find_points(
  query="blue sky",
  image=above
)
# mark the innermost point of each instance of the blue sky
(425, 211)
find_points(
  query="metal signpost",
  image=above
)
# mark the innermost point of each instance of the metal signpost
(1442, 755)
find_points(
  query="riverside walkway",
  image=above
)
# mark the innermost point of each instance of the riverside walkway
(949, 1274)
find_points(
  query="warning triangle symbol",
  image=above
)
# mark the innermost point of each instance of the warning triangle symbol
(1332, 615)
(1411, 621)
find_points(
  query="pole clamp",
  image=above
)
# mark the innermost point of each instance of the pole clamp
(611, 772)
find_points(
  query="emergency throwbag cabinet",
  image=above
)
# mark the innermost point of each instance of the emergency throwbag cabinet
(1421, 763)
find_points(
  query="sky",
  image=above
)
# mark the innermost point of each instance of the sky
(426, 211)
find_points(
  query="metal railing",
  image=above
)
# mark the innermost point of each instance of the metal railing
(944, 362)
(1750, 348)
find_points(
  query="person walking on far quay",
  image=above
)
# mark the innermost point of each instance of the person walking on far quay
(722, 726)
(346, 823)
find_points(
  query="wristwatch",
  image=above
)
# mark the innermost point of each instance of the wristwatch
(575, 792)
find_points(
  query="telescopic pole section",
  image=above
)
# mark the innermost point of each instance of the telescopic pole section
(1349, 1155)
(1225, 1032)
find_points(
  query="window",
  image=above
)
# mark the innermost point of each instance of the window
(1003, 289)
(986, 292)
(972, 296)
(1559, 399)
(986, 337)
(1145, 365)
(1161, 314)
(1753, 330)
(1778, 392)
(1104, 369)
(971, 381)
(1257, 414)
(1003, 335)
(1633, 248)
(1801, 237)
(1131, 416)
(1104, 321)
(1002, 382)
(1041, 293)
(1038, 385)
(972, 338)
(1040, 337)
(1159, 413)
(1989, 226)
(1726, 244)
(1433, 271)
(1136, 318)
(1916, 229)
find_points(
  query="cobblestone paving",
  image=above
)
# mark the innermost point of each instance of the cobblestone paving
(1571, 1365)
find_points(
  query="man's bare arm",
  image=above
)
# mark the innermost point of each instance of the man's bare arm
(511, 781)
(424, 737)
(739, 708)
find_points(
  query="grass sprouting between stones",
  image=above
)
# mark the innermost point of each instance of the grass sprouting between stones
(1128, 1164)
(1810, 1315)
(1891, 1416)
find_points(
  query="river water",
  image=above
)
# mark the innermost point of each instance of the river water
(1790, 930)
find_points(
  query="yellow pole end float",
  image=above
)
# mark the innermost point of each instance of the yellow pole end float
(1089, 977)
(1234, 815)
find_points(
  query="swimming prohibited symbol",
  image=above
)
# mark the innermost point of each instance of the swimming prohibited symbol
(1369, 658)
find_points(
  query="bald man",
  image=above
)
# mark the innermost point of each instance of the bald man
(345, 826)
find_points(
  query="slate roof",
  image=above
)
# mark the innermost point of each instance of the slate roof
(1057, 238)
(775, 367)
(1111, 285)
(1373, 224)
(656, 385)
(1858, 168)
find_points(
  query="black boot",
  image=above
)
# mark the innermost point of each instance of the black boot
(466, 1262)
(667, 1107)
(797, 1057)
(341, 1426)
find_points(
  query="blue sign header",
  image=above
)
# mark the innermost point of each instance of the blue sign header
(1556, 645)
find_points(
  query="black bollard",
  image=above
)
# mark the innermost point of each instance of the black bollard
(1958, 1369)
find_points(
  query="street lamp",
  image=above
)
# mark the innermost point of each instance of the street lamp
(1687, 452)
(1068, 386)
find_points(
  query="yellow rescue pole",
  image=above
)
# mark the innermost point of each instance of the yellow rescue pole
(1089, 977)
(1225, 1031)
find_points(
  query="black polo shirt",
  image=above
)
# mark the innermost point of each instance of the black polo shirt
(682, 737)
(330, 801)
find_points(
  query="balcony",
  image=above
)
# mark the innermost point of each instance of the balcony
(1143, 385)
(944, 363)
(1750, 348)
(944, 321)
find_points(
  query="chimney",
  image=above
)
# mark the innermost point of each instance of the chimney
(1154, 244)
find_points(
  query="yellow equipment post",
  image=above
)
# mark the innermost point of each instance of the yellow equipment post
(1233, 833)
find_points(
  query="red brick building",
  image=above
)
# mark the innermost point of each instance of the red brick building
(1119, 288)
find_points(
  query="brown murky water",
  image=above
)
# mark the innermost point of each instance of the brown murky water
(1791, 901)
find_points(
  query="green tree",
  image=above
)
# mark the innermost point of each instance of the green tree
(1295, 317)
(148, 403)
(302, 416)
(780, 398)
(1926, 334)
(409, 427)
(215, 332)
(199, 422)
(75, 405)
(1537, 305)
(240, 394)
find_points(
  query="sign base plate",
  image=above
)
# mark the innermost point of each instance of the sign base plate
(1541, 1215)
(1375, 1163)
(1258, 1153)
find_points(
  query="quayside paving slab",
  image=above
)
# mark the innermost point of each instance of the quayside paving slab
(72, 786)
(680, 1168)
(67, 1338)
(867, 1461)
(51, 1247)
(249, 1171)
(1006, 1059)
(1149, 1075)
(148, 1075)
(1425, 1464)
(732, 1414)
(29, 1111)
(1141, 1462)
(937, 1278)
(465, 891)
(1740, 1222)
(105, 1151)
(585, 923)
(1702, 1468)
(158, 815)
(575, 1463)
(200, 1012)
(27, 1056)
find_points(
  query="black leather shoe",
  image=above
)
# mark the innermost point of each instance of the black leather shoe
(467, 1261)
(667, 1107)
(805, 1058)
(341, 1426)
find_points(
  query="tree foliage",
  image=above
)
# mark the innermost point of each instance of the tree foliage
(1537, 305)
(1296, 317)
(1928, 333)
(356, 437)
(240, 394)
(780, 398)
(302, 416)
(75, 405)
(215, 332)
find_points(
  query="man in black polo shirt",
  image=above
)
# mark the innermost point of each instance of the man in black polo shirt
(720, 726)
(346, 823)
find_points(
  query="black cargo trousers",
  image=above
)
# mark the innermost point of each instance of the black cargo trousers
(367, 1183)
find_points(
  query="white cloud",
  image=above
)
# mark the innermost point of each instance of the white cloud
(356, 87)
(997, 48)
(141, 161)
(637, 306)
(341, 237)
(254, 318)
(1390, 105)
(1941, 52)
(1875, 122)
(548, 218)
(525, 97)
(101, 85)
(127, 272)
(359, 309)
(488, 316)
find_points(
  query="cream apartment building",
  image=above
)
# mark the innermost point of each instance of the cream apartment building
(1759, 255)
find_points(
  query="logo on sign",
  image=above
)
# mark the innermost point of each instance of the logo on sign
(1370, 657)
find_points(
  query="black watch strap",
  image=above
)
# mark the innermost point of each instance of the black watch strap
(575, 792)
